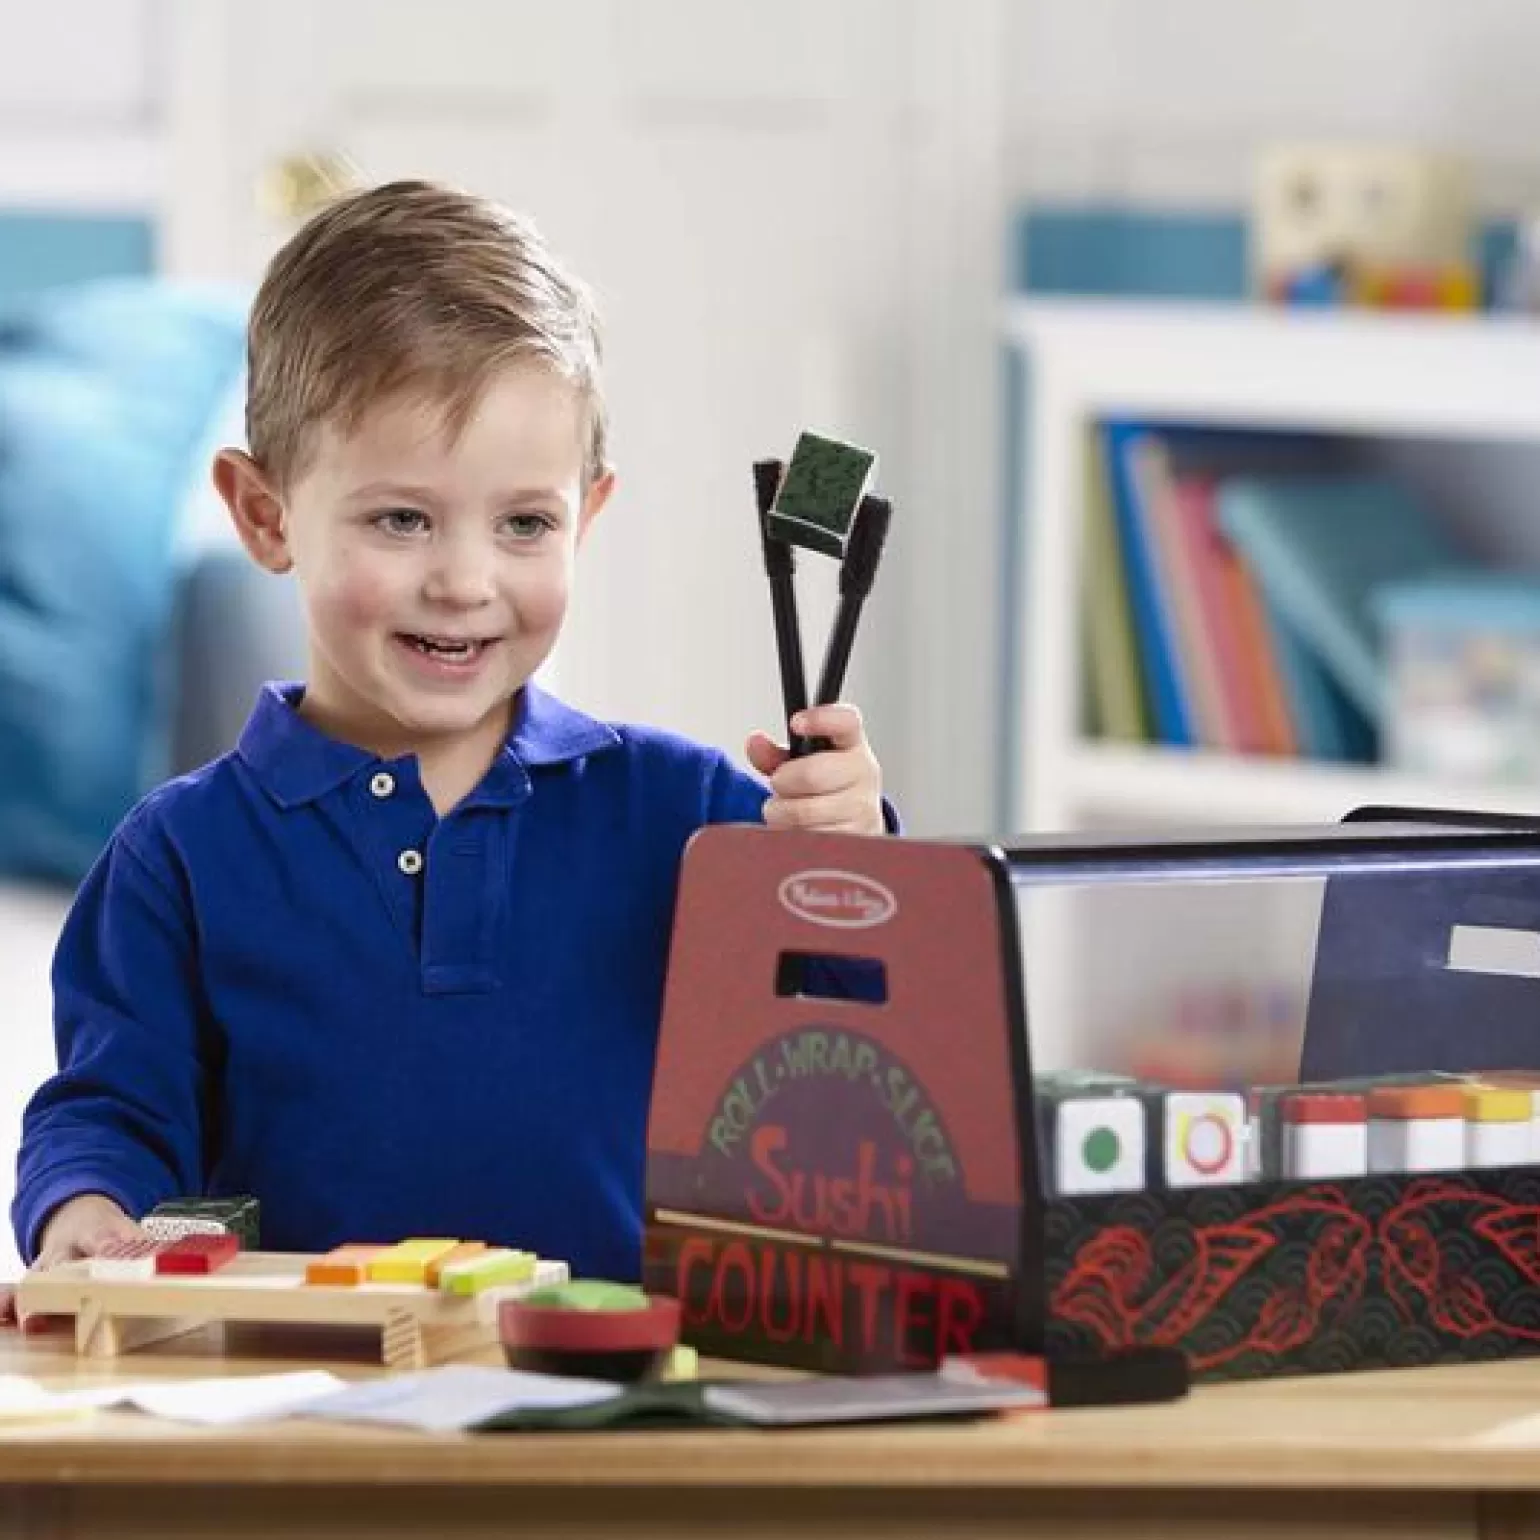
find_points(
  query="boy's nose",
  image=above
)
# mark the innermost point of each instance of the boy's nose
(462, 578)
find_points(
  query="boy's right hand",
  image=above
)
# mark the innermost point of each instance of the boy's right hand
(80, 1227)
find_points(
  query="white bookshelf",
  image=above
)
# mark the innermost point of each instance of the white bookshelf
(1450, 377)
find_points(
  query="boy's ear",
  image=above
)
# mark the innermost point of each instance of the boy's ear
(594, 500)
(254, 508)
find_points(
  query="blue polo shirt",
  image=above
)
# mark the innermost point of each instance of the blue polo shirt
(287, 976)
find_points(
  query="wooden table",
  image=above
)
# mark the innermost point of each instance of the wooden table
(1393, 1454)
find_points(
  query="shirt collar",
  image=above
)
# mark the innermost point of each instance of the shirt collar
(295, 762)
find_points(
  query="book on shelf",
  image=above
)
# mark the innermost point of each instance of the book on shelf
(1167, 694)
(1321, 545)
(1228, 588)
(1116, 695)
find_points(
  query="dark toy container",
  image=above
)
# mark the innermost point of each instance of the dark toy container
(844, 1165)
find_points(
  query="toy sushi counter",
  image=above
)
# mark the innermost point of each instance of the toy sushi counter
(1416, 1452)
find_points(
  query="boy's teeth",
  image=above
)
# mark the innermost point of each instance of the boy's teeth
(450, 649)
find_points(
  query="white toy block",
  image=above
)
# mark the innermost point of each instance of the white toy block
(1098, 1144)
(1203, 1138)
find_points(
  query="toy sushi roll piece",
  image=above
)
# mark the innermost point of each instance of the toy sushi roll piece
(1203, 1138)
(1417, 1128)
(1497, 1126)
(1523, 1080)
(239, 1216)
(1325, 1134)
(592, 1329)
(1096, 1143)
(196, 1255)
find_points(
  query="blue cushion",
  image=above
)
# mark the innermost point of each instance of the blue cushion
(105, 390)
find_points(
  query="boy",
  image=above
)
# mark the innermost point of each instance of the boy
(394, 964)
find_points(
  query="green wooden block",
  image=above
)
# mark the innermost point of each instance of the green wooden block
(819, 494)
(494, 1269)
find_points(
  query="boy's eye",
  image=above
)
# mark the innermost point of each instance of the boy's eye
(399, 521)
(527, 526)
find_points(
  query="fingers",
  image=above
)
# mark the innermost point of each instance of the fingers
(837, 812)
(93, 1225)
(840, 723)
(11, 1318)
(71, 1244)
(765, 754)
(838, 788)
(116, 1229)
(54, 1253)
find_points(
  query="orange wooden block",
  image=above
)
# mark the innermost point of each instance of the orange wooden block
(345, 1267)
(1417, 1101)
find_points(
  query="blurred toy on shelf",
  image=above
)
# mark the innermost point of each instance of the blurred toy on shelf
(1463, 652)
(1518, 290)
(1359, 225)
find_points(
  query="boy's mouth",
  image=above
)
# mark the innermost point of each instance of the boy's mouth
(450, 649)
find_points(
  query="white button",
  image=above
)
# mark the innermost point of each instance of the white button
(382, 784)
(410, 861)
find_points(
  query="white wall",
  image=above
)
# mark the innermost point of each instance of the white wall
(78, 106)
(1168, 100)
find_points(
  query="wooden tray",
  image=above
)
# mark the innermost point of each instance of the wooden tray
(418, 1326)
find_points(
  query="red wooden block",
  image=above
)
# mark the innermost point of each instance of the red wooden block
(197, 1254)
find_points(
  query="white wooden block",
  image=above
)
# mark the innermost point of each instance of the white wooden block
(1417, 1144)
(547, 1275)
(1098, 1144)
(125, 1261)
(1203, 1138)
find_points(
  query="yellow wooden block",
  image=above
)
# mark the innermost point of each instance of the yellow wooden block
(492, 1269)
(683, 1364)
(1497, 1104)
(409, 1261)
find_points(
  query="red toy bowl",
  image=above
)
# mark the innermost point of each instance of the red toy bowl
(604, 1344)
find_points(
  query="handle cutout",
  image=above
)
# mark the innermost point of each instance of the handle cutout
(825, 976)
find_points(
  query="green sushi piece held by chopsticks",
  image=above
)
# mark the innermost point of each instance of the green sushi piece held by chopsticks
(819, 494)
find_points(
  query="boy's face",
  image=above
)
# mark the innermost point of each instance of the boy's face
(436, 569)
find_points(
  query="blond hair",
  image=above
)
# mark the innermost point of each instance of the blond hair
(409, 288)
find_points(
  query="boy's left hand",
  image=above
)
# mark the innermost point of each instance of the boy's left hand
(838, 788)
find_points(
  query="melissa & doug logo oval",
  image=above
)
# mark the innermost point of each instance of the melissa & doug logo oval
(845, 900)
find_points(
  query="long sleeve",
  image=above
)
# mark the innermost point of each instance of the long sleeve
(124, 1114)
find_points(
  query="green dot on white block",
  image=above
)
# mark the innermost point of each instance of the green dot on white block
(1101, 1150)
(1099, 1144)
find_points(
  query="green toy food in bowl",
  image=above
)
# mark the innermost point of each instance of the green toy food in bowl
(591, 1328)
